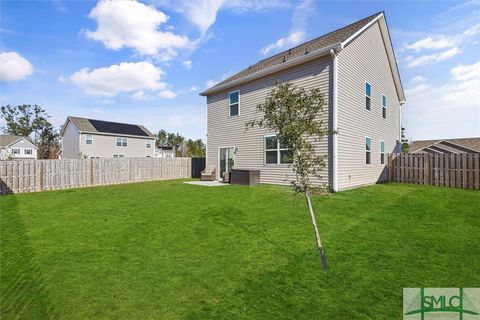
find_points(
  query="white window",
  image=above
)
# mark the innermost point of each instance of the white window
(276, 152)
(118, 155)
(382, 152)
(28, 151)
(148, 144)
(15, 150)
(88, 139)
(368, 94)
(121, 142)
(384, 106)
(234, 98)
(368, 150)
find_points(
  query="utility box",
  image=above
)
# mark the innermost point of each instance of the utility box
(245, 177)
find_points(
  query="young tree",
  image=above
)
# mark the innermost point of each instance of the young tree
(48, 143)
(162, 138)
(293, 113)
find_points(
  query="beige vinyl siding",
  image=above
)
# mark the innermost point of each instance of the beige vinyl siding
(105, 146)
(365, 60)
(70, 142)
(226, 131)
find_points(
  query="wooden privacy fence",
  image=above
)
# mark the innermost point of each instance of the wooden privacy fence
(39, 175)
(447, 170)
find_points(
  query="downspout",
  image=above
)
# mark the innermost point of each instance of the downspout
(334, 121)
(400, 143)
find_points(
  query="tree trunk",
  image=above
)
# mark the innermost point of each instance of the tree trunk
(323, 258)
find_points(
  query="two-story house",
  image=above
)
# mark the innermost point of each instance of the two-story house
(89, 138)
(355, 68)
(17, 148)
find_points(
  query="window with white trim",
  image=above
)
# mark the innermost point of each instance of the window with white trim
(28, 151)
(368, 150)
(276, 152)
(148, 144)
(382, 152)
(368, 94)
(234, 98)
(121, 142)
(15, 150)
(88, 139)
(384, 106)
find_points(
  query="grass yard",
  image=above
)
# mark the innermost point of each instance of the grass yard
(167, 250)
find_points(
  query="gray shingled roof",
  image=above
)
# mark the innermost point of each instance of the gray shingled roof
(321, 42)
(443, 144)
(86, 125)
(7, 139)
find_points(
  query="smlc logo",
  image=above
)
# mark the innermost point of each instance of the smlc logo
(441, 303)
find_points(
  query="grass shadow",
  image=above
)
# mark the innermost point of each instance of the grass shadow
(22, 291)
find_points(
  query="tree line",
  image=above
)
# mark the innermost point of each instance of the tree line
(182, 146)
(33, 121)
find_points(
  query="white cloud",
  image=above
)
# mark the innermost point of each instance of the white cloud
(187, 64)
(440, 42)
(98, 110)
(417, 80)
(168, 94)
(125, 77)
(59, 5)
(297, 32)
(193, 89)
(466, 72)
(211, 83)
(14, 67)
(203, 13)
(447, 110)
(294, 38)
(434, 57)
(460, 92)
(135, 25)
(140, 96)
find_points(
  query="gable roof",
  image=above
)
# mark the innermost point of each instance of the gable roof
(461, 145)
(309, 50)
(101, 126)
(7, 139)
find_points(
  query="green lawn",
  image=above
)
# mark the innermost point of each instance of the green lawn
(167, 250)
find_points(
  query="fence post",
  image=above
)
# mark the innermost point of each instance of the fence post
(426, 168)
(129, 169)
(91, 172)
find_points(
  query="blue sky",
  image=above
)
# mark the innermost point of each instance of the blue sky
(145, 62)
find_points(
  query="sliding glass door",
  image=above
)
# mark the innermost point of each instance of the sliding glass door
(226, 161)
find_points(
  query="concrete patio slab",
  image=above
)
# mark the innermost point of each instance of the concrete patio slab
(215, 183)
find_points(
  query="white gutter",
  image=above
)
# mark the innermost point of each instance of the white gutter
(287, 64)
(335, 120)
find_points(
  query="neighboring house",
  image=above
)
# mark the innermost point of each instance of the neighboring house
(165, 152)
(355, 68)
(463, 145)
(89, 138)
(16, 148)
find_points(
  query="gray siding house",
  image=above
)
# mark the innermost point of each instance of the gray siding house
(17, 148)
(89, 138)
(355, 68)
(446, 146)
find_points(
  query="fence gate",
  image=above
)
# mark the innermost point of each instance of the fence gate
(198, 165)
